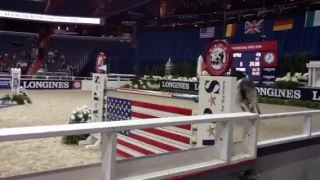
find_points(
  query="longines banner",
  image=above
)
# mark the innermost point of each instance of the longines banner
(43, 84)
(182, 85)
(310, 94)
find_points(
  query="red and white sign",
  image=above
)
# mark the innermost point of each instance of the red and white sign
(100, 62)
(218, 58)
(76, 85)
(256, 46)
(269, 59)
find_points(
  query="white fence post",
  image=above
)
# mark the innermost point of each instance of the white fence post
(109, 155)
(250, 136)
(307, 130)
(15, 81)
(224, 140)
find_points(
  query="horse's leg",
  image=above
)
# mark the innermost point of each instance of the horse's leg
(250, 107)
(242, 106)
(258, 108)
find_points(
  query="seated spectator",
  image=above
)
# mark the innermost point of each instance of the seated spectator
(23, 65)
(51, 56)
(43, 68)
(71, 69)
(62, 58)
(6, 57)
(5, 67)
(14, 56)
(33, 54)
(18, 64)
(56, 52)
(64, 65)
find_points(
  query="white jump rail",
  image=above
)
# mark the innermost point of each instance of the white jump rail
(307, 127)
(195, 160)
(172, 164)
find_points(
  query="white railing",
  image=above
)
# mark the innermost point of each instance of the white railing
(221, 154)
(307, 127)
(118, 77)
(224, 151)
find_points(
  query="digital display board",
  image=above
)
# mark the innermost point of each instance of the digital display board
(249, 63)
(259, 60)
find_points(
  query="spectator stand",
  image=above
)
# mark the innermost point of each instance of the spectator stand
(15, 47)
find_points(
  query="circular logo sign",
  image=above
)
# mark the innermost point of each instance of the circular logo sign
(269, 58)
(218, 58)
(100, 62)
(77, 84)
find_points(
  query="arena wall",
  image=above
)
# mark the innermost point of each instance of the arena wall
(290, 161)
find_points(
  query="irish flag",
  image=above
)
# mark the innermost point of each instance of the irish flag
(312, 18)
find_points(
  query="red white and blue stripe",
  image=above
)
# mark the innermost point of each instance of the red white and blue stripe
(136, 143)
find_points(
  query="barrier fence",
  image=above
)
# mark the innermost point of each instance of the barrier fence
(112, 76)
(63, 82)
(223, 153)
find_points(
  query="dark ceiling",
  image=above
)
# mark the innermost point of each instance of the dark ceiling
(208, 12)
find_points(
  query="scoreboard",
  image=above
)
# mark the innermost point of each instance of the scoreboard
(249, 63)
(258, 60)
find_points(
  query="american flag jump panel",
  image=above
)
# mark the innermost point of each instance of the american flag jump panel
(142, 142)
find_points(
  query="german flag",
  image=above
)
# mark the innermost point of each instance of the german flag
(283, 25)
(231, 30)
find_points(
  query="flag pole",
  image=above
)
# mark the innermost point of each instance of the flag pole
(263, 8)
(224, 19)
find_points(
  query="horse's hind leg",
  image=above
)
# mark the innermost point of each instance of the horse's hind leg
(243, 107)
(250, 107)
(258, 108)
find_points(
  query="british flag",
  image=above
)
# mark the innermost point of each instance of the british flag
(253, 27)
(136, 143)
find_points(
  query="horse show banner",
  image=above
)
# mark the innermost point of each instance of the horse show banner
(303, 93)
(181, 85)
(44, 84)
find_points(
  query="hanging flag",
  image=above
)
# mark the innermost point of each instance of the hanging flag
(253, 27)
(231, 30)
(283, 25)
(312, 18)
(207, 32)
